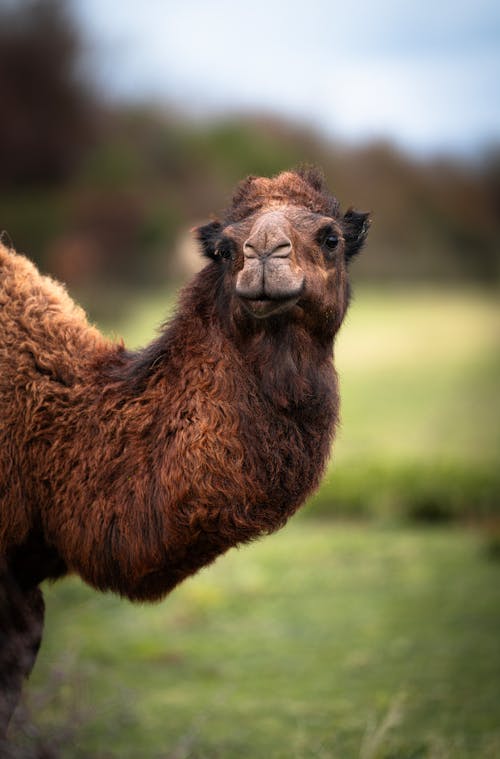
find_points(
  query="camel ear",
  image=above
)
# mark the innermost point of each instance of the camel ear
(356, 227)
(208, 235)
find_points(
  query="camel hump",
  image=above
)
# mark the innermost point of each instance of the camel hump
(37, 309)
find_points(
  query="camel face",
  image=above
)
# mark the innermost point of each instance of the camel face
(283, 248)
(287, 260)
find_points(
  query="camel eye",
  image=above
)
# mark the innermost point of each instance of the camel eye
(224, 249)
(328, 239)
(331, 241)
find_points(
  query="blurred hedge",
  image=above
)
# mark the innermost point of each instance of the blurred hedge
(419, 492)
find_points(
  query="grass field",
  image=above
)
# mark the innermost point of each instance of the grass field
(420, 372)
(331, 639)
(324, 641)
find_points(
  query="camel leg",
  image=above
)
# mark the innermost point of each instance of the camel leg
(21, 626)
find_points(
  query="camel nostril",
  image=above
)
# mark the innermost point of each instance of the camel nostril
(281, 250)
(249, 250)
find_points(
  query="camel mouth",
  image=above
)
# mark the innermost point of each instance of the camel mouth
(262, 306)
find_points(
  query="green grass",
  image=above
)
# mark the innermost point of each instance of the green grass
(420, 370)
(303, 645)
(329, 640)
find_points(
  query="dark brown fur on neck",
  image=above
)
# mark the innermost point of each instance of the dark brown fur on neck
(135, 469)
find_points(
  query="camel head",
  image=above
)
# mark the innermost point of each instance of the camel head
(282, 250)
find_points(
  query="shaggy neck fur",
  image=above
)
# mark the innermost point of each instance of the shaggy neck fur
(234, 435)
(146, 466)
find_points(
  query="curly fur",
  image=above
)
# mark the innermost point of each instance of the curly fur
(134, 470)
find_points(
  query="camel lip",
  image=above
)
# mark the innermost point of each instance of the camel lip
(263, 306)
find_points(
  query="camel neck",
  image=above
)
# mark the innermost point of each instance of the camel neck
(279, 362)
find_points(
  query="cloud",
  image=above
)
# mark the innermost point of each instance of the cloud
(423, 74)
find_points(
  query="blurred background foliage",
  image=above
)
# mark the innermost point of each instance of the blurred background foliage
(102, 194)
(103, 197)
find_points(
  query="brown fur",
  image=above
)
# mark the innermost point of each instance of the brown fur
(134, 470)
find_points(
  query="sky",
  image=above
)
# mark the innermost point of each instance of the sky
(425, 75)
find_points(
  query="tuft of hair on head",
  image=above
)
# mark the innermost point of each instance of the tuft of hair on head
(243, 190)
(312, 175)
(304, 186)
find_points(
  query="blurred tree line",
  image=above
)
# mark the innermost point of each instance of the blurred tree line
(100, 194)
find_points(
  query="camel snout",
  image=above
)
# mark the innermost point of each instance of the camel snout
(269, 237)
(273, 277)
(280, 249)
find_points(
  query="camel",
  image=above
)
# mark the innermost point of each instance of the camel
(133, 469)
